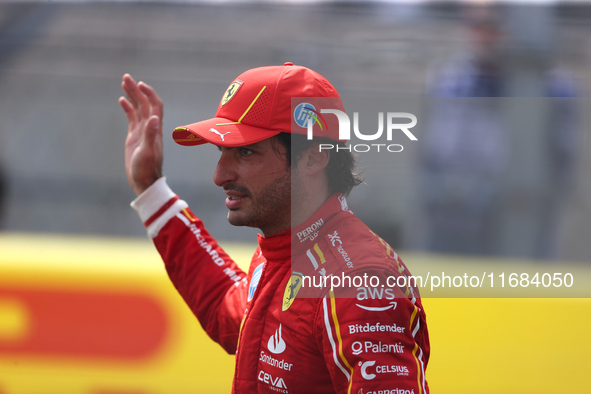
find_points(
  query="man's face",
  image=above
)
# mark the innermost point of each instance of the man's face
(257, 180)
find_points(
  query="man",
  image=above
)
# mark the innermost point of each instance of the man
(351, 340)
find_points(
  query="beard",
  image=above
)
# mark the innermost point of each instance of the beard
(268, 210)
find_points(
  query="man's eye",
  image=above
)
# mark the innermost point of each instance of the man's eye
(245, 152)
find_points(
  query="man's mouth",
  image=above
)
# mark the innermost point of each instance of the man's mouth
(237, 194)
(234, 201)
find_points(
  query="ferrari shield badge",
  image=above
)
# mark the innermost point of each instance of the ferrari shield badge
(291, 290)
(231, 91)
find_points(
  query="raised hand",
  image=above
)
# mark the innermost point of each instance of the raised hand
(143, 145)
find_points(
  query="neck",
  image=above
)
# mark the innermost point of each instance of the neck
(300, 212)
(306, 204)
(274, 229)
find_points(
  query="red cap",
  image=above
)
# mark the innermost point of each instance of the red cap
(258, 105)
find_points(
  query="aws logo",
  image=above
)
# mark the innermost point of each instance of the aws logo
(373, 293)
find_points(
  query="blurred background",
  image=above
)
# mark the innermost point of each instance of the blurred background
(501, 174)
(62, 132)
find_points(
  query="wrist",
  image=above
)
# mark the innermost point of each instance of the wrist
(157, 205)
(152, 198)
(140, 186)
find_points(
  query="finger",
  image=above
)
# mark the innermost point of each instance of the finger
(127, 84)
(138, 99)
(128, 109)
(132, 100)
(153, 98)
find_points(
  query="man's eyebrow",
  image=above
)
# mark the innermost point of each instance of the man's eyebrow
(251, 146)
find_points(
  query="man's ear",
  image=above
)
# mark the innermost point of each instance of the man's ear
(314, 160)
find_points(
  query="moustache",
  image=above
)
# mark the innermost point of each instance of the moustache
(236, 188)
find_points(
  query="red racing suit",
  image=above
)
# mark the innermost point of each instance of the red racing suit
(289, 335)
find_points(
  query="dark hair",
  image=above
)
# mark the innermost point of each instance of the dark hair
(340, 171)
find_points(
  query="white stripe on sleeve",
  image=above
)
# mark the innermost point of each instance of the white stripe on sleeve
(156, 226)
(334, 348)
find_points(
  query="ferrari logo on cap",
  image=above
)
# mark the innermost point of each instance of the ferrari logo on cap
(291, 290)
(231, 91)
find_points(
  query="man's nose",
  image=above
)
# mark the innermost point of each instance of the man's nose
(223, 172)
